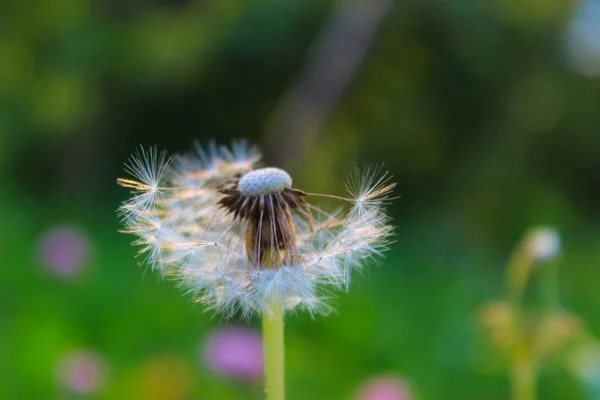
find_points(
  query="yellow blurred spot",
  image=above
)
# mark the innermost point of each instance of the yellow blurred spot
(533, 11)
(162, 377)
(535, 104)
(556, 332)
(16, 73)
(59, 100)
(498, 323)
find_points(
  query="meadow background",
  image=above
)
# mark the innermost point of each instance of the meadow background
(486, 112)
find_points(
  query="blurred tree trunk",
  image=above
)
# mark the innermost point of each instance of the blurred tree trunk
(333, 60)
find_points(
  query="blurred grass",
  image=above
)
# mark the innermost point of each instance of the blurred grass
(475, 107)
(413, 315)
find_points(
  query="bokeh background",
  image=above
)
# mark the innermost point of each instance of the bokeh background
(486, 112)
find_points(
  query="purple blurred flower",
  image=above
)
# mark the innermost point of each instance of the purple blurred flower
(384, 388)
(81, 371)
(235, 353)
(64, 249)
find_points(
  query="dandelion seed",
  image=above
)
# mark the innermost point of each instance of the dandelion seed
(241, 238)
(149, 170)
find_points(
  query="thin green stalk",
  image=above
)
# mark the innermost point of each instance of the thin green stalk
(272, 326)
(526, 351)
(548, 288)
(517, 276)
(523, 370)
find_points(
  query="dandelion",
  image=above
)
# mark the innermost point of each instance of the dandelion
(527, 339)
(242, 240)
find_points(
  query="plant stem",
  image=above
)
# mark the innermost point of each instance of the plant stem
(523, 372)
(548, 290)
(272, 325)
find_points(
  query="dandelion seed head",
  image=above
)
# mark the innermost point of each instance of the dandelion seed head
(240, 238)
(264, 181)
(543, 243)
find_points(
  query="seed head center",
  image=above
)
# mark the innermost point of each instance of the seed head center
(264, 181)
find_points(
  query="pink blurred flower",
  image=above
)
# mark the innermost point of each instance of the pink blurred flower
(235, 353)
(384, 388)
(64, 249)
(81, 371)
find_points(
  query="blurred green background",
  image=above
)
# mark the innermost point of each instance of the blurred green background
(486, 112)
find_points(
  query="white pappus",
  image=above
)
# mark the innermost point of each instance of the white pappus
(240, 238)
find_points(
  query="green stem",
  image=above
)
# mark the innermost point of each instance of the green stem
(272, 325)
(548, 290)
(523, 373)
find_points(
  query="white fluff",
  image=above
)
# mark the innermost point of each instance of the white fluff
(187, 236)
